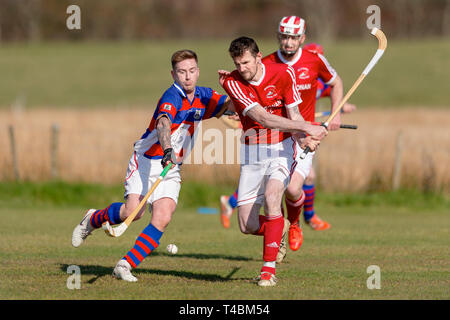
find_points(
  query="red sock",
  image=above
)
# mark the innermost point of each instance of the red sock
(262, 222)
(294, 208)
(268, 269)
(273, 231)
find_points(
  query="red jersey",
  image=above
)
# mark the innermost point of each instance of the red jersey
(308, 67)
(274, 91)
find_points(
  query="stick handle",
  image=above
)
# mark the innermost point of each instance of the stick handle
(349, 126)
(382, 44)
(342, 126)
(346, 97)
(133, 215)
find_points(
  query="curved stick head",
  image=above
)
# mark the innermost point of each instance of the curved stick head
(108, 229)
(382, 41)
(114, 232)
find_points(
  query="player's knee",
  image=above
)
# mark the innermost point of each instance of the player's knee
(246, 227)
(129, 209)
(162, 221)
(161, 216)
(310, 178)
(294, 191)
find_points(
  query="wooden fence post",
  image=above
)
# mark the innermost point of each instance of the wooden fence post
(12, 141)
(398, 162)
(54, 151)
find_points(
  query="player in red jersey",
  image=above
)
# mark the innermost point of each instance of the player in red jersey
(266, 99)
(228, 203)
(309, 66)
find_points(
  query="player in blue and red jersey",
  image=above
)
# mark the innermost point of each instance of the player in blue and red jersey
(168, 138)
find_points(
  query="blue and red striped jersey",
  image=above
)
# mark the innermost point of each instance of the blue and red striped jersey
(185, 116)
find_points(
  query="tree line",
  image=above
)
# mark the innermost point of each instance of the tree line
(40, 20)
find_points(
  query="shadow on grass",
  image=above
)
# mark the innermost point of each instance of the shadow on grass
(203, 256)
(101, 271)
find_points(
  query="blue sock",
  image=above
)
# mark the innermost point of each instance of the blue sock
(110, 213)
(308, 206)
(233, 199)
(146, 242)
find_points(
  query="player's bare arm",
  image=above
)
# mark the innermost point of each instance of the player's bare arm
(163, 132)
(270, 121)
(348, 108)
(303, 141)
(294, 114)
(336, 95)
(223, 74)
(227, 106)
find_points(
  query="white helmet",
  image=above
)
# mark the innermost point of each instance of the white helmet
(292, 25)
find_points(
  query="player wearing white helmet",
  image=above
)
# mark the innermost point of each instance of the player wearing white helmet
(309, 67)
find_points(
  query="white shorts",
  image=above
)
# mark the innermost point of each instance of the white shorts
(142, 174)
(304, 165)
(262, 163)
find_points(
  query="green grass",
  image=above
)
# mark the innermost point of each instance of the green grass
(193, 194)
(69, 195)
(408, 242)
(87, 74)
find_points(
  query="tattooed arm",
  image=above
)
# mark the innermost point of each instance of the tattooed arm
(163, 130)
(163, 127)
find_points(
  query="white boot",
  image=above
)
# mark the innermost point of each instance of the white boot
(267, 279)
(283, 244)
(82, 230)
(122, 271)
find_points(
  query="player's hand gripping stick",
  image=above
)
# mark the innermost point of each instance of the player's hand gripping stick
(382, 44)
(119, 230)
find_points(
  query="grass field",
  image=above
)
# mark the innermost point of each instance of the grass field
(408, 241)
(86, 74)
(102, 95)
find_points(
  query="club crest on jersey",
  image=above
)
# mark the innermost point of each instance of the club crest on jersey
(271, 91)
(303, 73)
(167, 107)
(198, 114)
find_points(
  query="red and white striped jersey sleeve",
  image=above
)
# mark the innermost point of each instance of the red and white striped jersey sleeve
(326, 71)
(291, 94)
(240, 96)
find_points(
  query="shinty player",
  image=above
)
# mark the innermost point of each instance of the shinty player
(166, 140)
(266, 99)
(310, 68)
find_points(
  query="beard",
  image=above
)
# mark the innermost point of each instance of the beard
(248, 76)
(288, 53)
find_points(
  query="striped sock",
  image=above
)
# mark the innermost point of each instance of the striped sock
(309, 201)
(147, 241)
(233, 199)
(110, 213)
